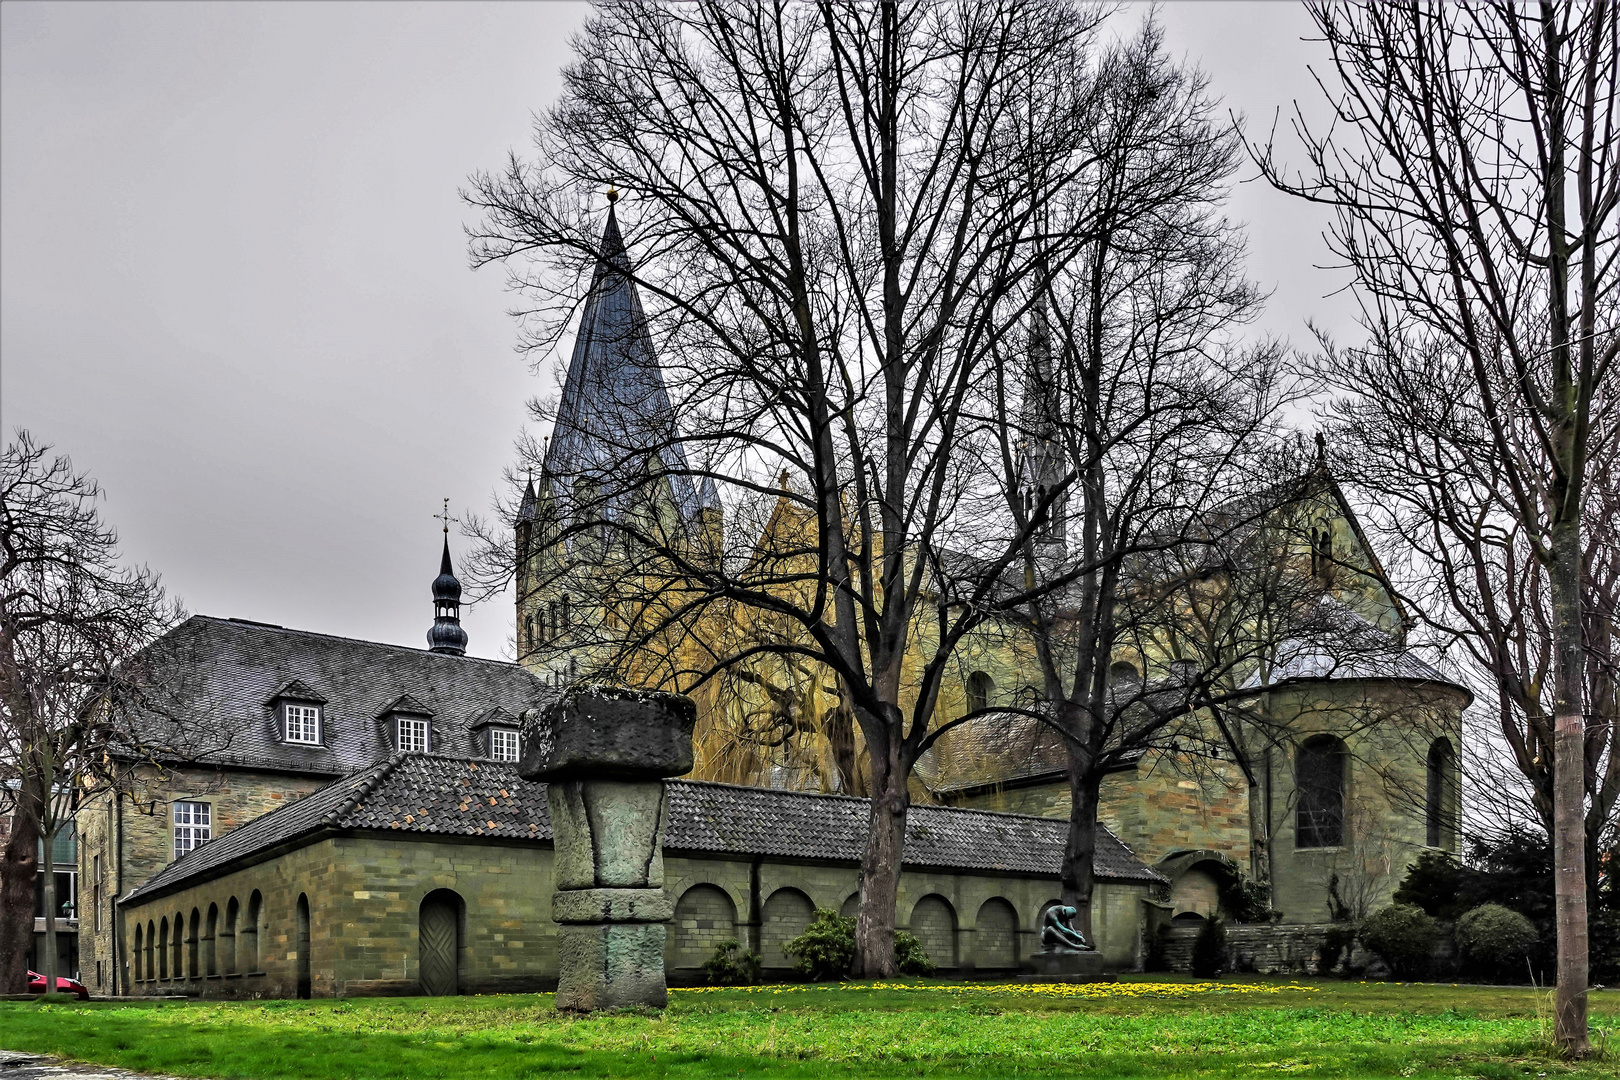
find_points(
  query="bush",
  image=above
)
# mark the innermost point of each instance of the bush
(1245, 900)
(1438, 884)
(1404, 936)
(1603, 944)
(1496, 941)
(1335, 943)
(1209, 950)
(910, 955)
(732, 965)
(826, 948)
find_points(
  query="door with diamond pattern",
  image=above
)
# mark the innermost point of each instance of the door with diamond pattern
(439, 937)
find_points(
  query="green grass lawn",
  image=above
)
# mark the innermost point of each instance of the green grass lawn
(1145, 1026)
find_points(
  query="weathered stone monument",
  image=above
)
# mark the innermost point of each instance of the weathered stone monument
(604, 753)
(1066, 955)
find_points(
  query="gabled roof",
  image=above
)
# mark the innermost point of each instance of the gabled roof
(405, 704)
(216, 678)
(615, 406)
(429, 794)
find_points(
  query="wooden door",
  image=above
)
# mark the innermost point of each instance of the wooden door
(440, 949)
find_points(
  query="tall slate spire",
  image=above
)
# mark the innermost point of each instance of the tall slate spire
(615, 407)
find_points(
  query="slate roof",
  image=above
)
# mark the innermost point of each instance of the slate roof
(429, 794)
(219, 679)
(615, 406)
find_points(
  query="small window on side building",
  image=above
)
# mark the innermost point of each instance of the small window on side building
(413, 735)
(193, 826)
(302, 723)
(503, 744)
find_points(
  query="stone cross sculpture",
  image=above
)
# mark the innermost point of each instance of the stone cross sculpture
(604, 752)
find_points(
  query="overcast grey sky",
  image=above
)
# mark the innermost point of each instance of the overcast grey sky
(233, 282)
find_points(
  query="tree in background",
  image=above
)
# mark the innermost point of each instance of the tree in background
(835, 207)
(70, 619)
(1472, 170)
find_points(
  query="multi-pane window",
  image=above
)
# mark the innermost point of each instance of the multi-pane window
(193, 825)
(1321, 793)
(503, 744)
(413, 735)
(303, 723)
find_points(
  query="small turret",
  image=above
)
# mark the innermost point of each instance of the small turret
(446, 634)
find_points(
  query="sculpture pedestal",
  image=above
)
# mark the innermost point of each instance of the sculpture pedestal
(1072, 967)
(604, 756)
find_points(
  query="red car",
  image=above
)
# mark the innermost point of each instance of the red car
(64, 985)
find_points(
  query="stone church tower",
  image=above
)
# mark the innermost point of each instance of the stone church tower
(614, 465)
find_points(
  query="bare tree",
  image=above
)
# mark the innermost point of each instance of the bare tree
(1472, 168)
(70, 617)
(1138, 414)
(834, 207)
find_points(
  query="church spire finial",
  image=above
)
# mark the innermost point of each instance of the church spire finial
(446, 634)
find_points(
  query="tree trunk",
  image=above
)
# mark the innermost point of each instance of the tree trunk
(1569, 796)
(19, 864)
(48, 964)
(1078, 876)
(880, 877)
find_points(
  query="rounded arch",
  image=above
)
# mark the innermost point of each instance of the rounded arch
(193, 933)
(996, 936)
(140, 939)
(1440, 795)
(980, 690)
(1122, 672)
(1319, 777)
(163, 948)
(177, 955)
(933, 922)
(233, 916)
(151, 950)
(705, 916)
(439, 941)
(247, 940)
(785, 914)
(211, 943)
(851, 907)
(301, 952)
(1197, 879)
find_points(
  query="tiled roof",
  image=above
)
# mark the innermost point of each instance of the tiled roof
(444, 796)
(215, 679)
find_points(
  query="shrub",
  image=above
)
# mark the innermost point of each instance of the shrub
(1403, 936)
(826, 948)
(1335, 943)
(1245, 900)
(732, 965)
(910, 955)
(1438, 884)
(1495, 940)
(1209, 950)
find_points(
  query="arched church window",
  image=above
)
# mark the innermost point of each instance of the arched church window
(980, 686)
(567, 622)
(1321, 552)
(1439, 803)
(528, 631)
(1320, 778)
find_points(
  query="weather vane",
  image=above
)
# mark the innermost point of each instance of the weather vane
(446, 518)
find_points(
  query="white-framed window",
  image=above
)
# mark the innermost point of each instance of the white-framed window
(193, 826)
(303, 723)
(413, 735)
(503, 744)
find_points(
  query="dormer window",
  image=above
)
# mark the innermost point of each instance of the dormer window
(301, 723)
(298, 713)
(503, 743)
(412, 734)
(408, 724)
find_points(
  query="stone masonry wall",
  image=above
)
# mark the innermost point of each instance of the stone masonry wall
(1271, 949)
(235, 798)
(365, 895)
